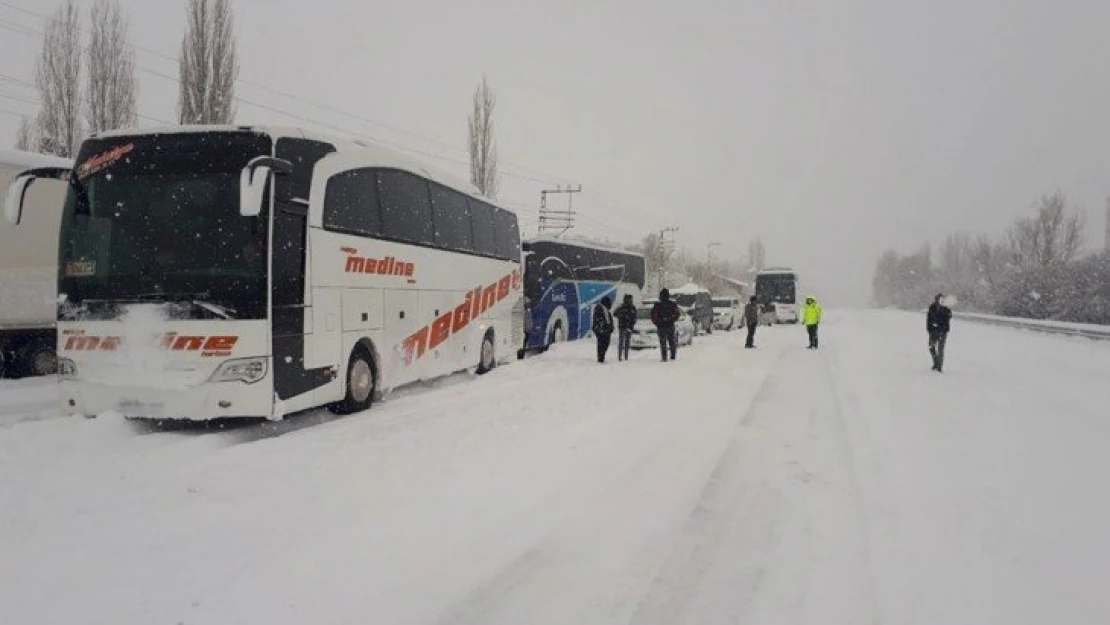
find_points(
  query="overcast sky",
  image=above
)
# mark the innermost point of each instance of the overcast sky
(833, 129)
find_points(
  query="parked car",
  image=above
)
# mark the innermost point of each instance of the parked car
(727, 314)
(644, 335)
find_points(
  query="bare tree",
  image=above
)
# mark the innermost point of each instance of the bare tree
(482, 142)
(25, 136)
(209, 65)
(58, 78)
(111, 85)
(1051, 236)
(956, 255)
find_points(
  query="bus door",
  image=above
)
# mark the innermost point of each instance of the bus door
(291, 318)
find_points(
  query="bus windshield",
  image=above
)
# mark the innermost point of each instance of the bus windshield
(722, 303)
(776, 288)
(157, 218)
(685, 300)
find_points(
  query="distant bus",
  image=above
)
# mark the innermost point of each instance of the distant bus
(777, 292)
(564, 279)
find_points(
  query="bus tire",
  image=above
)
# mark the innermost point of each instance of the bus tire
(487, 357)
(39, 359)
(558, 334)
(362, 381)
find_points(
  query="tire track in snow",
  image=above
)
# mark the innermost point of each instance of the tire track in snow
(676, 583)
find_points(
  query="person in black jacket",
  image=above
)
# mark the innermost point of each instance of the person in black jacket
(603, 326)
(751, 318)
(626, 320)
(664, 314)
(937, 323)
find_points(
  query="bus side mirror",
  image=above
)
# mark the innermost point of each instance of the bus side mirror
(17, 191)
(253, 179)
(13, 204)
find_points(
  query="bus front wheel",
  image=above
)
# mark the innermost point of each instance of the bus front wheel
(486, 359)
(361, 382)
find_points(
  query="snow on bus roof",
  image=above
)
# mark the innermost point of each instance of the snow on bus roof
(377, 154)
(19, 158)
(690, 289)
(583, 243)
(776, 271)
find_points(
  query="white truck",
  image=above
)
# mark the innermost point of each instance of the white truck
(29, 269)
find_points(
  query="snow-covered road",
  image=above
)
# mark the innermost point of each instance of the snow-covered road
(774, 486)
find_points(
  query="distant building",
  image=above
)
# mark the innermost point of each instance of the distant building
(722, 285)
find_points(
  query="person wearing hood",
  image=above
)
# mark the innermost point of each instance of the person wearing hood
(664, 314)
(811, 317)
(937, 324)
(626, 320)
(603, 326)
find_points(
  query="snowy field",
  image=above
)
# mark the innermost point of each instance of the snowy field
(769, 486)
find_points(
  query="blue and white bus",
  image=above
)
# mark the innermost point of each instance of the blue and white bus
(564, 279)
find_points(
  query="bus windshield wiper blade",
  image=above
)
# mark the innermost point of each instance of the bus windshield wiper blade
(215, 309)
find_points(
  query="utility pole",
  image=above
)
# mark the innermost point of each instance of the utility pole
(709, 253)
(557, 220)
(666, 246)
(1106, 243)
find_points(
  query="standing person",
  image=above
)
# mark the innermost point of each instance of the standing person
(937, 323)
(603, 327)
(626, 320)
(664, 314)
(811, 317)
(751, 318)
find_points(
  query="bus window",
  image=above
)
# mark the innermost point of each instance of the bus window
(406, 207)
(507, 235)
(452, 218)
(351, 203)
(481, 215)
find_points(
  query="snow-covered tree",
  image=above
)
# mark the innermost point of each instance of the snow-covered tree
(58, 78)
(111, 82)
(208, 64)
(482, 141)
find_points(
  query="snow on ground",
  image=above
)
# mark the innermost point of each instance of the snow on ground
(776, 485)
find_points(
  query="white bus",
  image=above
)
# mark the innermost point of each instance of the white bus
(214, 272)
(777, 292)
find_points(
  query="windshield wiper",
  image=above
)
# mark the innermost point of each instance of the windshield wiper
(215, 309)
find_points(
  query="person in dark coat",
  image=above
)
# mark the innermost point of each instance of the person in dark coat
(937, 323)
(626, 320)
(664, 314)
(751, 318)
(603, 326)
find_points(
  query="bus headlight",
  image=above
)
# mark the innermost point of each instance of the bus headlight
(249, 370)
(67, 369)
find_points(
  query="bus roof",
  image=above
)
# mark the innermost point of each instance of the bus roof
(27, 160)
(582, 244)
(776, 271)
(380, 155)
(690, 289)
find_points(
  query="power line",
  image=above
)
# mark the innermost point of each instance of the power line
(12, 113)
(20, 98)
(541, 177)
(547, 178)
